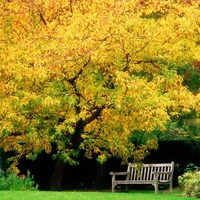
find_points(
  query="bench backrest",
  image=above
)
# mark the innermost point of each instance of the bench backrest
(145, 172)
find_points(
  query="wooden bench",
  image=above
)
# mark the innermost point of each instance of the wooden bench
(154, 174)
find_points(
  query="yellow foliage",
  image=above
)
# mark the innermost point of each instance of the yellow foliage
(85, 74)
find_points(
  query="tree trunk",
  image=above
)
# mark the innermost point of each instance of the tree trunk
(101, 176)
(57, 176)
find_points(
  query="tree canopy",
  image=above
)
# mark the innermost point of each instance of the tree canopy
(85, 74)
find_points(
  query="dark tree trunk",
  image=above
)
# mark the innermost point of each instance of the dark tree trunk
(57, 176)
(59, 169)
(101, 176)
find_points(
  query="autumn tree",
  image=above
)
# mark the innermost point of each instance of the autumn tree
(84, 75)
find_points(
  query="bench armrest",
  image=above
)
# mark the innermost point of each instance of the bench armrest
(119, 173)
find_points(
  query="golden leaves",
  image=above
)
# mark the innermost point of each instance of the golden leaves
(62, 60)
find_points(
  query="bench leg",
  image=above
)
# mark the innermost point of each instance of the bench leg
(113, 189)
(170, 187)
(156, 188)
(156, 183)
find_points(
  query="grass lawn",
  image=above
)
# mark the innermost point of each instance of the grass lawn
(81, 195)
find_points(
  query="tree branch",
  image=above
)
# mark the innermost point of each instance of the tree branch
(76, 137)
(93, 116)
(42, 19)
(72, 80)
(153, 62)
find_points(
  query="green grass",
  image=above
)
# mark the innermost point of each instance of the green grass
(80, 195)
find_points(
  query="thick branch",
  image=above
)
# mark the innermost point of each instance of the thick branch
(76, 137)
(73, 79)
(94, 115)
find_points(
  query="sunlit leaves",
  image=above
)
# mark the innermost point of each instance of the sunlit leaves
(82, 75)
